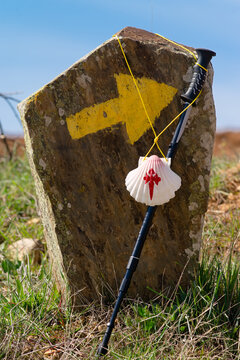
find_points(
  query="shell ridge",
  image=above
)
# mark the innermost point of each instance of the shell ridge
(135, 186)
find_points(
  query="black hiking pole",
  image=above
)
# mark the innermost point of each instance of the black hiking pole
(199, 75)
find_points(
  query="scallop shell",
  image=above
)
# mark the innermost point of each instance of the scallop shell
(152, 182)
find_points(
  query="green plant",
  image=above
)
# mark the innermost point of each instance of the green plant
(17, 202)
(28, 302)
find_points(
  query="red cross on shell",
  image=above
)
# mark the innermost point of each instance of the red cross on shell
(151, 178)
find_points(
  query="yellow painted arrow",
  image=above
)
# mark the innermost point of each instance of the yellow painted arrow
(126, 108)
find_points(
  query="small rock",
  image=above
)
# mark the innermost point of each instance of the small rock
(33, 221)
(26, 247)
(102, 328)
(52, 354)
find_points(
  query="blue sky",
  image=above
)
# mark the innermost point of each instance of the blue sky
(40, 39)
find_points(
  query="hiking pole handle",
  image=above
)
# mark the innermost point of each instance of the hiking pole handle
(199, 74)
(197, 82)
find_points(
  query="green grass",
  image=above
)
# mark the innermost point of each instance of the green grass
(201, 322)
(203, 319)
(28, 305)
(218, 176)
(17, 202)
(222, 225)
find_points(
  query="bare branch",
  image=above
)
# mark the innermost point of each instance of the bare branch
(8, 100)
(7, 96)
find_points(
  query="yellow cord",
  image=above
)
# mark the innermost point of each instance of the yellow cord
(139, 93)
(201, 66)
(181, 46)
(140, 96)
(157, 137)
(184, 48)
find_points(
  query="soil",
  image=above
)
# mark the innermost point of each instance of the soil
(226, 143)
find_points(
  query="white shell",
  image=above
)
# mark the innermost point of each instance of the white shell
(152, 182)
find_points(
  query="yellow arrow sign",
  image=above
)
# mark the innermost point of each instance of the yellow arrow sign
(126, 108)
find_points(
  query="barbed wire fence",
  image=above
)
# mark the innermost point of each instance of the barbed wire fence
(9, 98)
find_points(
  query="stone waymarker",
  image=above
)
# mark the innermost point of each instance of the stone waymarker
(84, 132)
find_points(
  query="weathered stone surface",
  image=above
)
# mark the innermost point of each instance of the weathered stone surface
(84, 132)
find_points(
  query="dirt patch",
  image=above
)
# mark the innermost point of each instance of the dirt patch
(228, 198)
(227, 143)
